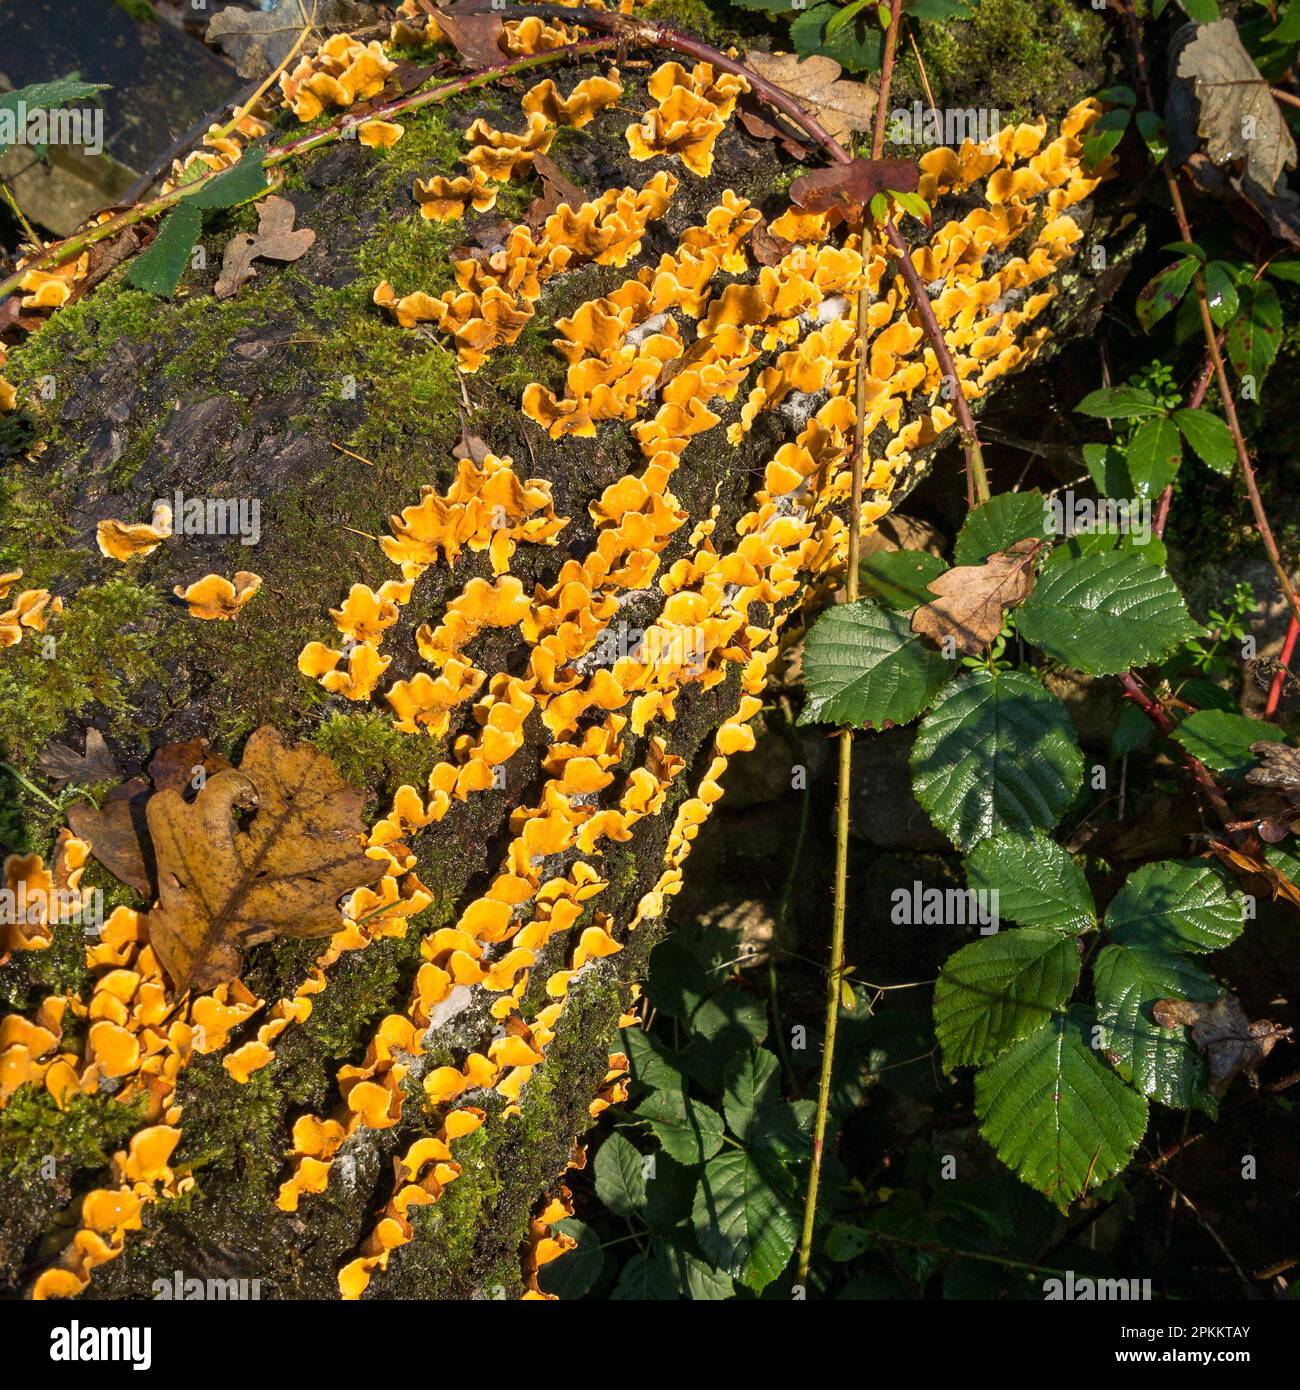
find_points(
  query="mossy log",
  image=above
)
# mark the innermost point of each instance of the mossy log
(302, 394)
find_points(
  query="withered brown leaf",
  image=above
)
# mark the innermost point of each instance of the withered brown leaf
(275, 240)
(841, 106)
(474, 36)
(64, 767)
(1232, 1044)
(972, 599)
(853, 185)
(226, 883)
(176, 766)
(118, 834)
(1279, 766)
(556, 189)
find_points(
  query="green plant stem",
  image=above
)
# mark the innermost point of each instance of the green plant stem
(31, 786)
(28, 230)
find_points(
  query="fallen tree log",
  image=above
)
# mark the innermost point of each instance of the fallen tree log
(576, 568)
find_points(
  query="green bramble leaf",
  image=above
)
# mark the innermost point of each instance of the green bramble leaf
(1154, 455)
(1175, 907)
(1164, 292)
(1222, 740)
(1256, 333)
(1158, 1062)
(1119, 403)
(997, 753)
(1037, 883)
(1056, 1115)
(863, 664)
(744, 1216)
(1210, 438)
(998, 524)
(995, 992)
(620, 1176)
(1105, 612)
(574, 1272)
(1221, 292)
(900, 579)
(688, 1129)
(159, 269)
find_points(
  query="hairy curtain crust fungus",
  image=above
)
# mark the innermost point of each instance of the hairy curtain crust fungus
(216, 598)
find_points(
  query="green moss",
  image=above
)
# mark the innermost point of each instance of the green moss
(85, 1135)
(372, 753)
(102, 644)
(1018, 57)
(141, 10)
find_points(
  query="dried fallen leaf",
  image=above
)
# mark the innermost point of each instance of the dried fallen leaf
(275, 240)
(841, 106)
(556, 189)
(1281, 886)
(64, 767)
(119, 834)
(256, 42)
(177, 766)
(474, 36)
(1232, 1044)
(756, 120)
(1238, 118)
(767, 248)
(973, 598)
(853, 185)
(1279, 766)
(470, 446)
(225, 884)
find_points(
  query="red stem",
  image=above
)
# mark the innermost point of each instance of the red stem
(1279, 676)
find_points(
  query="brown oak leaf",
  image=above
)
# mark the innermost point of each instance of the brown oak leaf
(184, 767)
(841, 106)
(556, 189)
(972, 599)
(265, 850)
(1232, 1044)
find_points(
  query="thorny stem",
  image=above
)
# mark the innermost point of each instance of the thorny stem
(835, 975)
(1125, 8)
(1157, 714)
(1280, 676)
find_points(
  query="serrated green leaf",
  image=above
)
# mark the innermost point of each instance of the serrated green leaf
(1222, 740)
(1152, 129)
(994, 992)
(1164, 292)
(1202, 11)
(997, 753)
(159, 269)
(1210, 438)
(652, 1064)
(620, 1176)
(1221, 292)
(1105, 613)
(999, 523)
(845, 16)
(1161, 1063)
(669, 1190)
(1288, 31)
(1154, 454)
(1119, 403)
(1037, 883)
(1108, 468)
(697, 1280)
(751, 1084)
(45, 96)
(864, 664)
(236, 185)
(856, 47)
(1054, 1114)
(574, 1272)
(1104, 134)
(899, 578)
(1175, 907)
(1256, 333)
(688, 1129)
(744, 1217)
(646, 1278)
